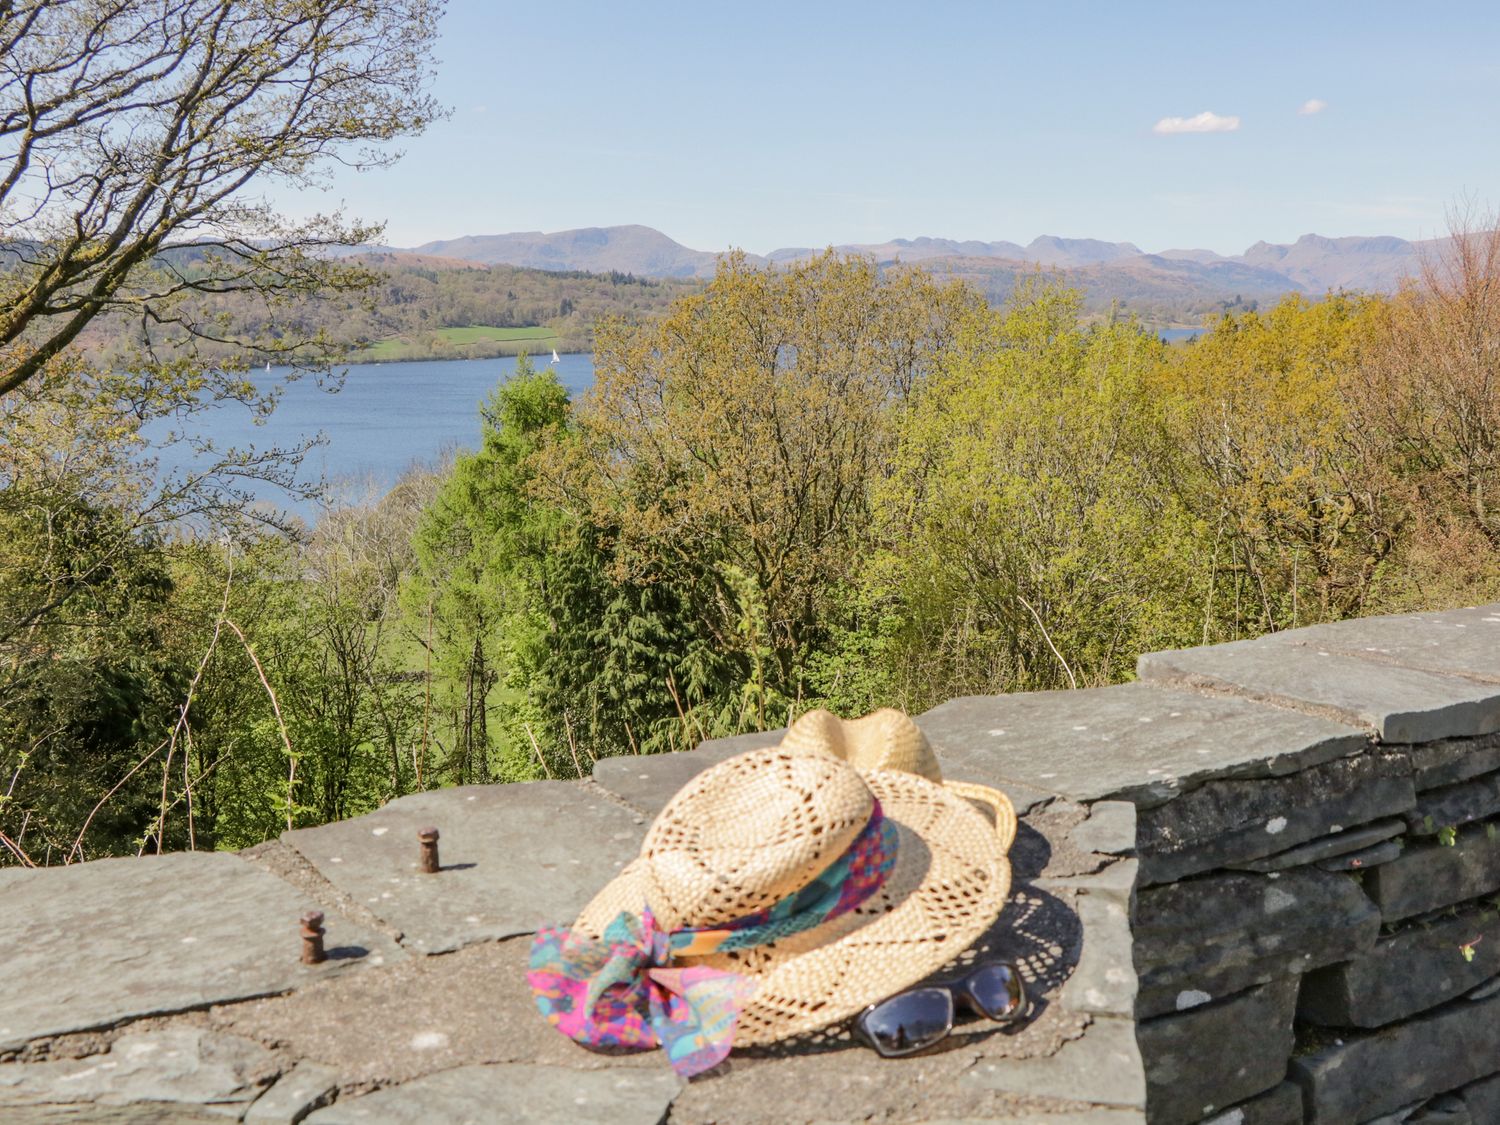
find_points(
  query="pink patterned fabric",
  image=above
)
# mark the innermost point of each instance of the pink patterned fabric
(622, 991)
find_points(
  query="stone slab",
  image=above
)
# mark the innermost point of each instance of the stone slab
(1225, 823)
(1399, 704)
(218, 1073)
(1104, 981)
(422, 1015)
(1446, 1110)
(518, 1093)
(1452, 760)
(1428, 876)
(91, 1113)
(147, 936)
(1199, 1062)
(1203, 939)
(514, 857)
(1483, 1099)
(647, 782)
(1427, 1055)
(1103, 1067)
(1489, 988)
(1452, 805)
(1365, 858)
(1135, 742)
(304, 1088)
(1462, 642)
(1116, 882)
(1109, 830)
(1417, 968)
(1338, 844)
(1280, 1105)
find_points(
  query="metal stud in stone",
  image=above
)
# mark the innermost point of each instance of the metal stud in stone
(429, 839)
(312, 938)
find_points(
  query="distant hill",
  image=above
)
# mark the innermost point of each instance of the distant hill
(1316, 263)
(632, 249)
(1174, 286)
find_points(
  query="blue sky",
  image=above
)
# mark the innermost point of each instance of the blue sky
(774, 124)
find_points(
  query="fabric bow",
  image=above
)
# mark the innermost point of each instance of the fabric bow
(618, 992)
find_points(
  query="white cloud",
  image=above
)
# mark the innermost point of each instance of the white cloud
(1205, 122)
(1312, 106)
(479, 109)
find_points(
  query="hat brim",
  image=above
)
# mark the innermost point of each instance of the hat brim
(948, 885)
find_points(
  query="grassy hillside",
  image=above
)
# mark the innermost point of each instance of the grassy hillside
(474, 341)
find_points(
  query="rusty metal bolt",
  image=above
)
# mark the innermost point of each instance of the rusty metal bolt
(312, 938)
(429, 839)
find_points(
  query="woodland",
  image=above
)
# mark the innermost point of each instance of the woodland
(824, 484)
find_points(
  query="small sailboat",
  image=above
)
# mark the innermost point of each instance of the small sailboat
(554, 355)
(268, 367)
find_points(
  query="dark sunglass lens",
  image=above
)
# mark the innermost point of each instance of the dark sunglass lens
(997, 991)
(909, 1022)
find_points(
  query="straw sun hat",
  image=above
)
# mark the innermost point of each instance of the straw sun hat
(779, 892)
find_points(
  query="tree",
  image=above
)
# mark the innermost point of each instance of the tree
(1303, 516)
(734, 446)
(1428, 406)
(1027, 540)
(473, 599)
(131, 133)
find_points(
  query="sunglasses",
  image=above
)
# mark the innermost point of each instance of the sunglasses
(915, 1020)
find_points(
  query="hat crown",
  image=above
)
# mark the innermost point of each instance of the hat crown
(883, 740)
(748, 832)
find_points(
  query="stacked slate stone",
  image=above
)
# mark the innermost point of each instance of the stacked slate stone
(1316, 919)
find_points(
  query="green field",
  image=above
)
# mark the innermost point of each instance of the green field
(457, 343)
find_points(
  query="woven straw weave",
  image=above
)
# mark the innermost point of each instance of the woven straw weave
(754, 828)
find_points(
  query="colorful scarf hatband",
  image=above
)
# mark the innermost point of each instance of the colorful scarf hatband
(619, 991)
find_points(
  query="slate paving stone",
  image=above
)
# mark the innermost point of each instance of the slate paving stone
(1453, 805)
(1201, 1061)
(1206, 938)
(648, 781)
(1338, 844)
(140, 937)
(1428, 876)
(1280, 1105)
(513, 1092)
(514, 857)
(1134, 742)
(1228, 822)
(217, 1073)
(1103, 982)
(1452, 760)
(1399, 704)
(423, 1015)
(304, 1088)
(1109, 830)
(1407, 972)
(91, 1113)
(1463, 642)
(1103, 1067)
(1363, 859)
(1426, 1055)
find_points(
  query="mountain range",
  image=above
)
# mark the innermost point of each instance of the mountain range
(1179, 283)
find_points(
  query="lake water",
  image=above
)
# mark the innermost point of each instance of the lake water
(1172, 335)
(386, 417)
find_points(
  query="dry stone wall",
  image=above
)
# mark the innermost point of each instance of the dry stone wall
(1258, 886)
